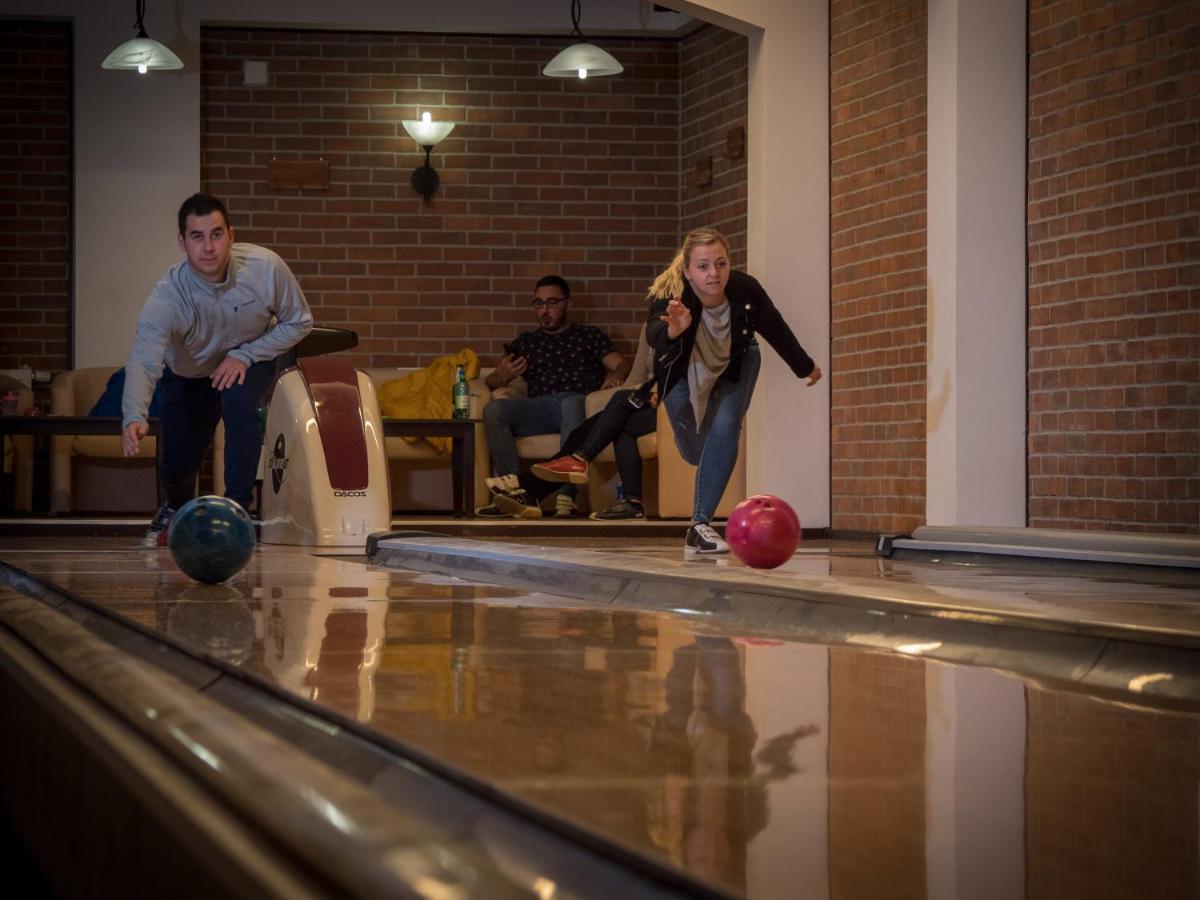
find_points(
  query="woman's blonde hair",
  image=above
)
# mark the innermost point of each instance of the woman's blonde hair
(669, 283)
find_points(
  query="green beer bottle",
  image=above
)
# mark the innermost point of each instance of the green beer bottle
(461, 395)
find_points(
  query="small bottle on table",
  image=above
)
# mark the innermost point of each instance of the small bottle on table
(461, 395)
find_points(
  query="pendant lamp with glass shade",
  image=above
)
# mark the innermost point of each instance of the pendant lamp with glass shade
(142, 52)
(581, 59)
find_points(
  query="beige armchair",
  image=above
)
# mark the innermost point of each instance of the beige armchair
(88, 473)
(18, 450)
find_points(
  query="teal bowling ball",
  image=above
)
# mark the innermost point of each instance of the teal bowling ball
(211, 539)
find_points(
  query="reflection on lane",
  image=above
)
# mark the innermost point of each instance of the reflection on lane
(776, 769)
(765, 766)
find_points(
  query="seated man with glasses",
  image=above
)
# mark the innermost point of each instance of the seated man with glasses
(561, 362)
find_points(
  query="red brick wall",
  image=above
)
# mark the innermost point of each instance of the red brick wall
(540, 175)
(1114, 265)
(1111, 800)
(35, 189)
(714, 84)
(877, 247)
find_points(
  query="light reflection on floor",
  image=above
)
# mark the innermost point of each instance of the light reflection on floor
(777, 768)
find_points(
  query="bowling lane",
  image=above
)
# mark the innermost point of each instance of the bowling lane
(776, 768)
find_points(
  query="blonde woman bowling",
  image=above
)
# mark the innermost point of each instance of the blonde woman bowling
(703, 327)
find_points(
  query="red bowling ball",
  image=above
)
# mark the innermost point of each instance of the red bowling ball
(763, 531)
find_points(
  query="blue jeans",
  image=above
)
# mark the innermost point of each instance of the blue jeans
(506, 420)
(713, 450)
(190, 410)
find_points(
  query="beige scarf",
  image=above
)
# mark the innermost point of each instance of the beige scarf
(710, 357)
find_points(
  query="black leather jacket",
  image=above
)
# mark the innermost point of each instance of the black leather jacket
(752, 312)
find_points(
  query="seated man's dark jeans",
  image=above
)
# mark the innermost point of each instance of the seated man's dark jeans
(191, 408)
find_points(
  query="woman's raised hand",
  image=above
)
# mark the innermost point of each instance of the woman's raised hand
(678, 318)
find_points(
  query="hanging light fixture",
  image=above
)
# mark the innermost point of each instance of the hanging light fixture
(581, 59)
(428, 134)
(141, 53)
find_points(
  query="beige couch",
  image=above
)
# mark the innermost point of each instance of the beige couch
(88, 473)
(18, 450)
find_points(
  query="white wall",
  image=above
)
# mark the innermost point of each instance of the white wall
(631, 17)
(787, 688)
(137, 155)
(975, 452)
(975, 783)
(788, 233)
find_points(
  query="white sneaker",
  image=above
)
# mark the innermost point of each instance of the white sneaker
(565, 508)
(503, 483)
(702, 539)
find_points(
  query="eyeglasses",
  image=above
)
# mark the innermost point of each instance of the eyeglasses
(549, 302)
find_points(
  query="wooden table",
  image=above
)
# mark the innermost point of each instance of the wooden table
(91, 425)
(462, 452)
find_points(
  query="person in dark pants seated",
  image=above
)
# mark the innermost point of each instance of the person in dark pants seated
(629, 414)
(211, 331)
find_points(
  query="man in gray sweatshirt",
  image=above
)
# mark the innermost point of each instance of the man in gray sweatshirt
(210, 330)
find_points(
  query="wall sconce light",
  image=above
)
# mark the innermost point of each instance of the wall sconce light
(428, 134)
(142, 53)
(581, 59)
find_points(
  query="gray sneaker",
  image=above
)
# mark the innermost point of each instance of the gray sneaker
(622, 509)
(156, 534)
(703, 540)
(491, 511)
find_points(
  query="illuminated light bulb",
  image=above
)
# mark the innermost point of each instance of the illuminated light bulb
(426, 118)
(581, 58)
(141, 54)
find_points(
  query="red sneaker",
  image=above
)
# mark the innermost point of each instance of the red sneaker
(565, 468)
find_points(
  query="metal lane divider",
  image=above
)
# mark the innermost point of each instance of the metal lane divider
(1135, 665)
(234, 808)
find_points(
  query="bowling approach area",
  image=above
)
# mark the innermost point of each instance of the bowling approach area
(506, 715)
